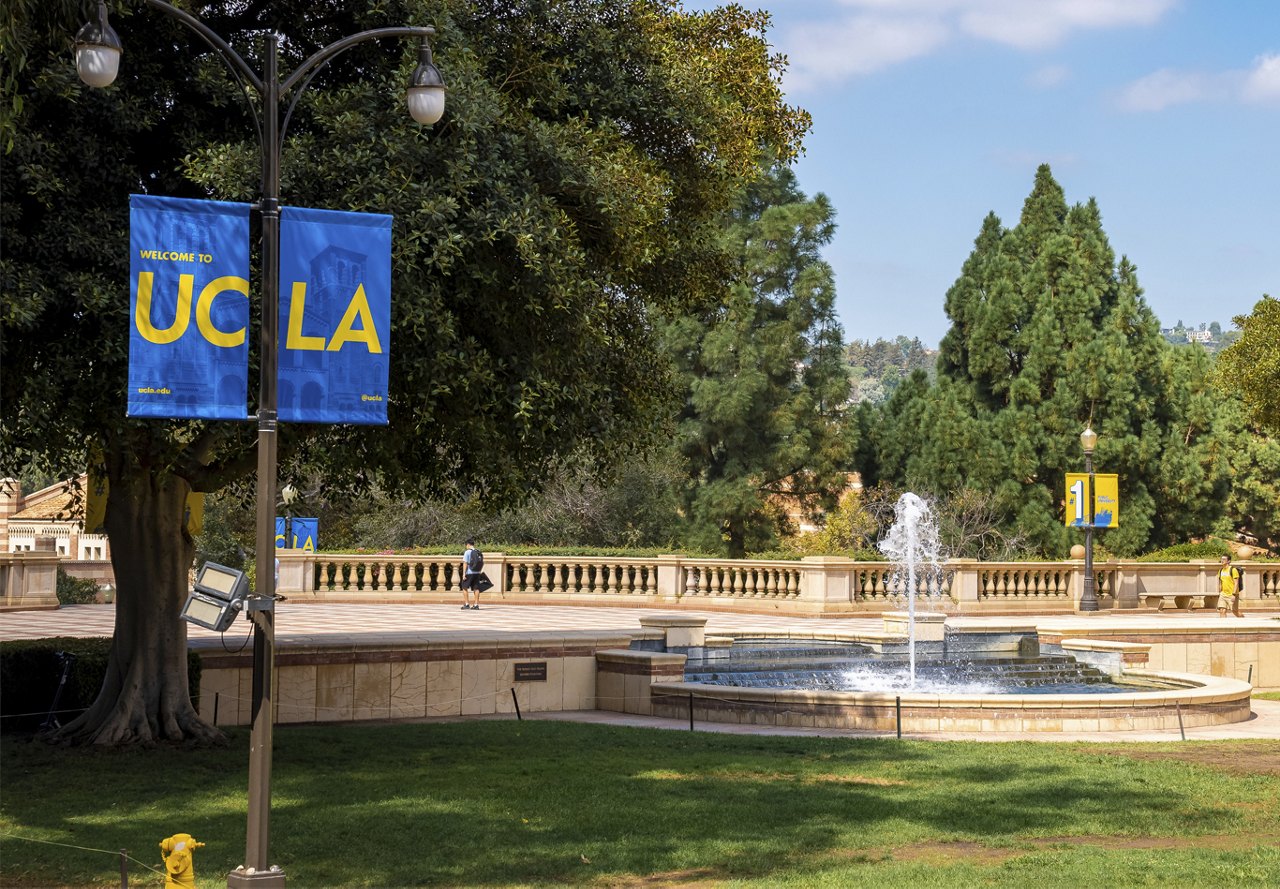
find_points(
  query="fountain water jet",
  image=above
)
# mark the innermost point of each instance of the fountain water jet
(911, 543)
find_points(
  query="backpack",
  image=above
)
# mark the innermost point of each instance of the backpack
(1239, 579)
(475, 562)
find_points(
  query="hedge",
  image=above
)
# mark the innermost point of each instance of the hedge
(30, 670)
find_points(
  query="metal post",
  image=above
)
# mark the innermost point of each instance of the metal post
(690, 711)
(516, 701)
(897, 708)
(1089, 596)
(257, 838)
(124, 869)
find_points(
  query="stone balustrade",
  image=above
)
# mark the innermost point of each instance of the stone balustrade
(813, 585)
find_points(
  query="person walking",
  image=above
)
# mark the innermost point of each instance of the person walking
(472, 571)
(1230, 588)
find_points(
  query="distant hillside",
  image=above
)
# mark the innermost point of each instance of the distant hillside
(1211, 336)
(877, 368)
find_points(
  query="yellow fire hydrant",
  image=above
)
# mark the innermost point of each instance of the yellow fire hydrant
(179, 863)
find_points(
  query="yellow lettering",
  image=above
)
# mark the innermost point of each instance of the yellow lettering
(297, 305)
(181, 318)
(368, 334)
(226, 338)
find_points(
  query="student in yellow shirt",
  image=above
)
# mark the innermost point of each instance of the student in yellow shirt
(1230, 586)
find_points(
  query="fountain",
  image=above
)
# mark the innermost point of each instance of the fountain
(911, 543)
(986, 679)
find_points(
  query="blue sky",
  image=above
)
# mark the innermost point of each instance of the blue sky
(928, 114)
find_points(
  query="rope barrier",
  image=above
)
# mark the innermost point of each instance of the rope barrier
(116, 854)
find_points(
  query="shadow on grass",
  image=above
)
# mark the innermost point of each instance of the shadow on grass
(500, 802)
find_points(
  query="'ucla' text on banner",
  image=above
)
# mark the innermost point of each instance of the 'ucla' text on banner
(335, 316)
(189, 308)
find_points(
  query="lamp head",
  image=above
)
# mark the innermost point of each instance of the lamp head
(1088, 440)
(98, 50)
(426, 89)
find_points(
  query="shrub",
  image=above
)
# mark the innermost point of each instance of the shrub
(1186, 552)
(31, 669)
(76, 590)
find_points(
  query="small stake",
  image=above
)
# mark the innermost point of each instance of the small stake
(1178, 704)
(1250, 674)
(215, 706)
(897, 706)
(124, 869)
(690, 711)
(516, 701)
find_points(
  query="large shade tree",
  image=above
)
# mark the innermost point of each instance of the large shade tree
(1250, 368)
(763, 374)
(1249, 373)
(576, 184)
(1049, 333)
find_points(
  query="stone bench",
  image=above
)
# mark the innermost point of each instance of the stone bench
(1181, 601)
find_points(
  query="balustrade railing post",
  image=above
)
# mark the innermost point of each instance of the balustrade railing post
(670, 577)
(827, 582)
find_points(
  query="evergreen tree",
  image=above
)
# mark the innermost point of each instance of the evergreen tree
(763, 376)
(1253, 503)
(1049, 334)
(1251, 367)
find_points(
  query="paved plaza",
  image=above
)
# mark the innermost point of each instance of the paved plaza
(328, 624)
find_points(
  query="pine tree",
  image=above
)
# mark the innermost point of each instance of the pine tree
(1049, 334)
(763, 377)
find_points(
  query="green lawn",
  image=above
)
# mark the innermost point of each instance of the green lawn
(504, 803)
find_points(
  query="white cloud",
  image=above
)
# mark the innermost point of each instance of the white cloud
(1049, 76)
(1262, 83)
(1168, 87)
(1036, 24)
(859, 45)
(876, 34)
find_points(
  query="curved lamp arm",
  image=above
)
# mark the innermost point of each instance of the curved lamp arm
(315, 64)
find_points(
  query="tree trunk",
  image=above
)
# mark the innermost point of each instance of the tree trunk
(736, 532)
(144, 697)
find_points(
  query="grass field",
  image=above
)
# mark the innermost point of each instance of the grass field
(504, 803)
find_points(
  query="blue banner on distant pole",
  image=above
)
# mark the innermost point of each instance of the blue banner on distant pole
(335, 316)
(189, 308)
(306, 532)
(297, 533)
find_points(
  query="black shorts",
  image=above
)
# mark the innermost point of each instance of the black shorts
(471, 581)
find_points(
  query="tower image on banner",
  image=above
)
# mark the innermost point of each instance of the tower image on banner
(336, 316)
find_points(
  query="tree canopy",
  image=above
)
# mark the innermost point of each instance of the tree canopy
(1251, 367)
(1049, 334)
(763, 374)
(575, 186)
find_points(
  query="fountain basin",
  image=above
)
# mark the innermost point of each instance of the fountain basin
(1201, 701)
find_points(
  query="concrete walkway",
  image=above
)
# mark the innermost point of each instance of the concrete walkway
(300, 624)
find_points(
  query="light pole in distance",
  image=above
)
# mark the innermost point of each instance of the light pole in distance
(1089, 597)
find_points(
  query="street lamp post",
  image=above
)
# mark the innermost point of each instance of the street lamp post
(97, 52)
(288, 496)
(1089, 596)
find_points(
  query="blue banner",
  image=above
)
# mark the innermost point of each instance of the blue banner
(189, 308)
(335, 316)
(297, 533)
